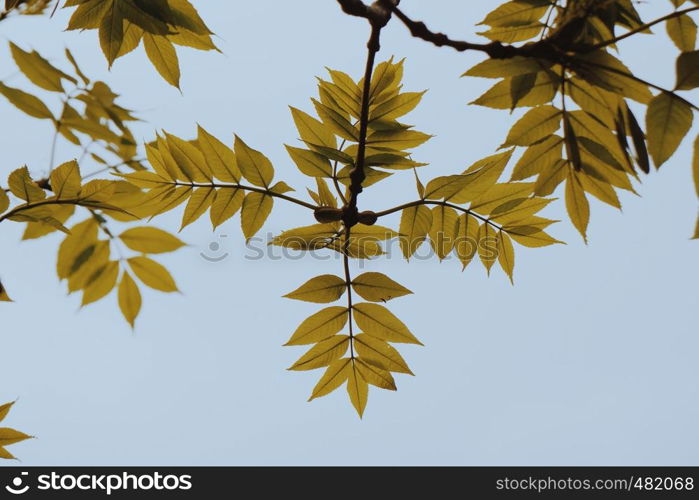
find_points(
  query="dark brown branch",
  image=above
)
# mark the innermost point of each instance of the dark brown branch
(418, 29)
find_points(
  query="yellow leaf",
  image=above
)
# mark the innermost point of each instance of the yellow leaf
(111, 30)
(447, 186)
(4, 297)
(384, 77)
(379, 353)
(169, 199)
(310, 163)
(375, 375)
(199, 202)
(311, 130)
(189, 159)
(226, 204)
(4, 201)
(339, 125)
(537, 157)
(503, 68)
(334, 377)
(87, 265)
(695, 165)
(307, 237)
(415, 223)
(10, 436)
(88, 15)
(320, 326)
(397, 139)
(152, 274)
(254, 166)
(375, 232)
(5, 409)
(281, 187)
(38, 70)
(74, 63)
(324, 194)
(668, 120)
(688, 70)
(357, 389)
(323, 353)
(219, 157)
(22, 186)
(148, 239)
(101, 284)
(516, 13)
(6, 454)
(321, 289)
(577, 204)
(445, 222)
(256, 209)
(27, 103)
(467, 239)
(683, 32)
(396, 107)
(530, 236)
(58, 215)
(81, 237)
(506, 254)
(66, 180)
(536, 124)
(487, 245)
(377, 287)
(483, 175)
(379, 322)
(162, 54)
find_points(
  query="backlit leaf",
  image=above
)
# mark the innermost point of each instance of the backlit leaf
(379, 353)
(256, 209)
(151, 240)
(320, 326)
(357, 389)
(323, 353)
(379, 322)
(129, 299)
(577, 204)
(377, 287)
(415, 223)
(162, 54)
(254, 166)
(668, 120)
(152, 274)
(336, 375)
(321, 289)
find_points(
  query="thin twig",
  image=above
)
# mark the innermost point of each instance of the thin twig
(246, 188)
(436, 202)
(677, 13)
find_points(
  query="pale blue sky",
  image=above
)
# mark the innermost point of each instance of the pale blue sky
(589, 359)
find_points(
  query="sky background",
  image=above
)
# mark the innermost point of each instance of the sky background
(590, 359)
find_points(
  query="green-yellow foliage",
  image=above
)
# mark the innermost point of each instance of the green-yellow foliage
(577, 129)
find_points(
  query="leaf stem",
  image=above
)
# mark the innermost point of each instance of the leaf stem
(639, 80)
(677, 13)
(436, 202)
(348, 282)
(247, 188)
